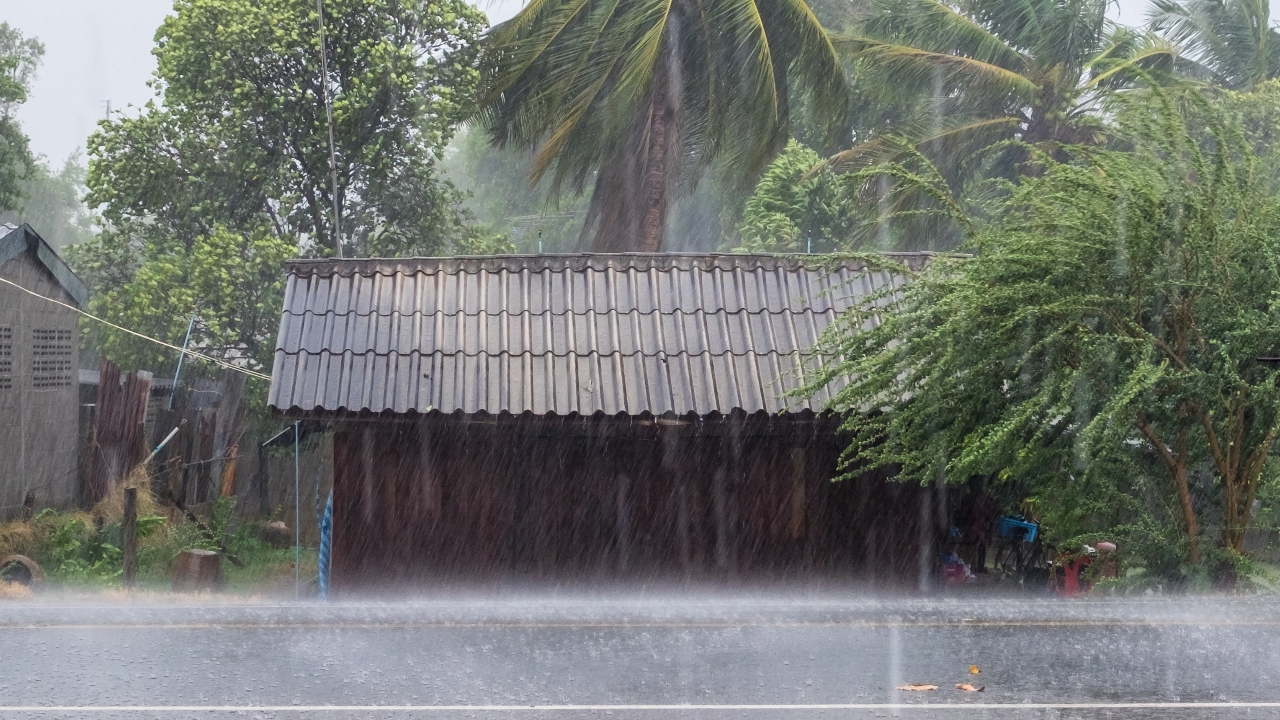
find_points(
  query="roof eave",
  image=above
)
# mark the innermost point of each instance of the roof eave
(23, 239)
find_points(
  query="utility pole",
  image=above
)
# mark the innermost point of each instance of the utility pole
(328, 113)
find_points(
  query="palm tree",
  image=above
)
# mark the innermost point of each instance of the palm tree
(1228, 42)
(636, 96)
(958, 77)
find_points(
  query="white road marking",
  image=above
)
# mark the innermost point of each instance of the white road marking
(945, 707)
(444, 624)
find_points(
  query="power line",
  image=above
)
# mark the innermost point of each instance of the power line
(214, 360)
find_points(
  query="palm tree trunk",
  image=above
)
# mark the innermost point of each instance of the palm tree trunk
(628, 211)
(661, 141)
(654, 220)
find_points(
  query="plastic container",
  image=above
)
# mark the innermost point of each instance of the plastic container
(1013, 526)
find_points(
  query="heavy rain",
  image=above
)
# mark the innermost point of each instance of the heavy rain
(624, 358)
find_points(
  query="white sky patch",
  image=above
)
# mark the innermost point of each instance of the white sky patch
(100, 50)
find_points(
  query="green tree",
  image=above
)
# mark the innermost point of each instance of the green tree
(503, 201)
(19, 58)
(53, 203)
(232, 282)
(794, 210)
(955, 78)
(630, 97)
(1120, 311)
(240, 137)
(231, 162)
(1228, 42)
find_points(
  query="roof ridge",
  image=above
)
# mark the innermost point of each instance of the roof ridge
(593, 311)
(811, 351)
(578, 262)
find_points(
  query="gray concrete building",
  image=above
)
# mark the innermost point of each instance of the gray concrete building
(39, 359)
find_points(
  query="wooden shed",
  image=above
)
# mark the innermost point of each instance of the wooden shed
(566, 418)
(39, 343)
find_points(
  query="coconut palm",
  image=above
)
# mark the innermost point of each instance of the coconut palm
(1229, 42)
(637, 97)
(960, 76)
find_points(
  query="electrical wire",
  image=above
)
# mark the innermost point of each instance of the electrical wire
(214, 360)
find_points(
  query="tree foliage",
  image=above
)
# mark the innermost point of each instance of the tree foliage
(231, 281)
(1116, 316)
(496, 181)
(208, 189)
(53, 203)
(630, 96)
(957, 77)
(1228, 42)
(19, 58)
(240, 137)
(794, 210)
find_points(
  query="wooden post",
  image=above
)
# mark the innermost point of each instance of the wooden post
(925, 560)
(264, 500)
(129, 537)
(720, 503)
(623, 523)
(798, 471)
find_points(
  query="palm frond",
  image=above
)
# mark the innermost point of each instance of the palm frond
(1115, 66)
(912, 61)
(936, 26)
(887, 148)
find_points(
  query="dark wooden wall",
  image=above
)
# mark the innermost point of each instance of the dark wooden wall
(458, 500)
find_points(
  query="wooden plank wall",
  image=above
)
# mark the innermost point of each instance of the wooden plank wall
(469, 502)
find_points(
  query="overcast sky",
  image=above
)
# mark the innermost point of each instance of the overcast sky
(100, 50)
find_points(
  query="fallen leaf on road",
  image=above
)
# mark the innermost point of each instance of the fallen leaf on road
(969, 688)
(974, 670)
(916, 687)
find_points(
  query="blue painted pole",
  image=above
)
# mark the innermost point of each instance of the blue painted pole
(326, 541)
(181, 356)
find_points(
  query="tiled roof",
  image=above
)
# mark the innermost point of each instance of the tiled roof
(559, 334)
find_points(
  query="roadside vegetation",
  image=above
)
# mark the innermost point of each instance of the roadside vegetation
(81, 551)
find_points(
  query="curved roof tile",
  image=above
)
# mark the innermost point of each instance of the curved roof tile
(585, 333)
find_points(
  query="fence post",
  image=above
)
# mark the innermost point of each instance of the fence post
(129, 537)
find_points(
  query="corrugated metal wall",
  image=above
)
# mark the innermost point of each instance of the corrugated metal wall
(39, 421)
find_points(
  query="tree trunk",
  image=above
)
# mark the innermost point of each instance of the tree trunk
(661, 141)
(653, 221)
(1176, 460)
(628, 211)
(1184, 495)
(1188, 511)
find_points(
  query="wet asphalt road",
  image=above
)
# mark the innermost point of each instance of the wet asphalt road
(649, 657)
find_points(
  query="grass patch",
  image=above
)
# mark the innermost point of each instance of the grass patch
(81, 550)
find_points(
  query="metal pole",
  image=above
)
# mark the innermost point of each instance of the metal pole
(297, 516)
(181, 356)
(163, 442)
(328, 112)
